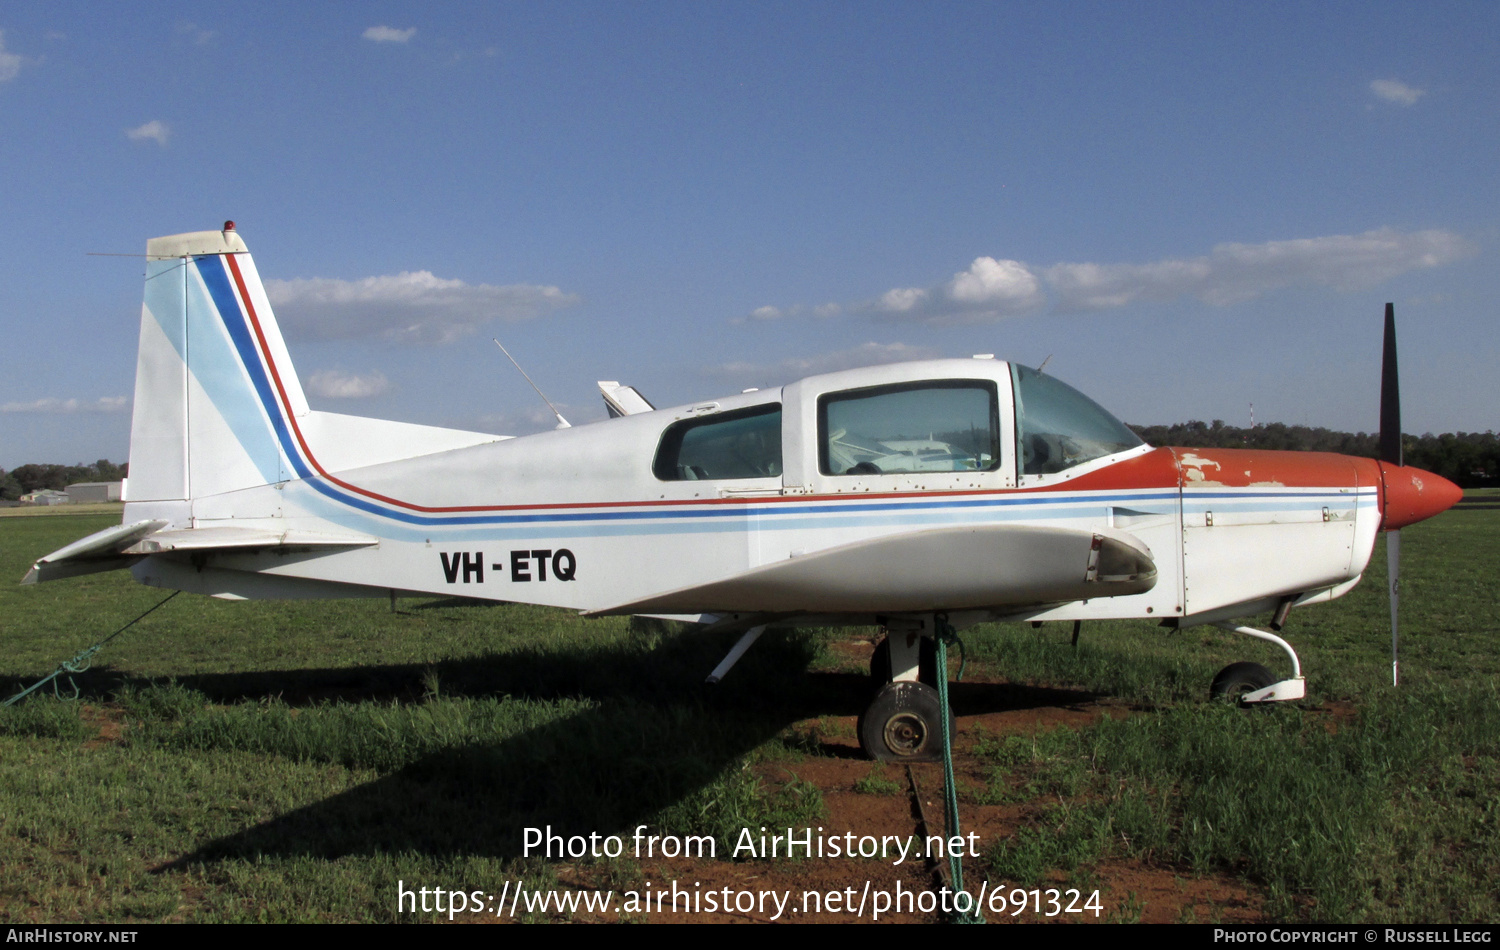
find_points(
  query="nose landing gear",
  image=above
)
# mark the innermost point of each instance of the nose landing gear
(1249, 683)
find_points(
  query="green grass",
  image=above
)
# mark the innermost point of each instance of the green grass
(878, 782)
(113, 508)
(1389, 818)
(292, 761)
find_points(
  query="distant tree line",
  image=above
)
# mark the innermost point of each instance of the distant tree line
(1468, 459)
(25, 479)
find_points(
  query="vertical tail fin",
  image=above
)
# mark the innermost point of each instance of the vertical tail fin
(214, 385)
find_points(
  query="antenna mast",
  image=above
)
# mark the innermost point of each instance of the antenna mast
(561, 422)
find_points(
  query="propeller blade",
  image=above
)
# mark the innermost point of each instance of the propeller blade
(1390, 452)
(1390, 394)
(1393, 579)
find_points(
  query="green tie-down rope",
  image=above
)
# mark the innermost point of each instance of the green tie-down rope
(79, 663)
(945, 634)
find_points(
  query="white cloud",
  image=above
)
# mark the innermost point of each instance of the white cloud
(58, 406)
(993, 289)
(10, 63)
(902, 299)
(534, 418)
(762, 314)
(409, 307)
(1394, 90)
(386, 34)
(789, 370)
(337, 384)
(1233, 273)
(989, 290)
(988, 281)
(156, 129)
(196, 33)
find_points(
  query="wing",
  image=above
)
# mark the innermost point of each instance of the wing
(946, 568)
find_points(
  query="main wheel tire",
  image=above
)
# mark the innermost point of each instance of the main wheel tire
(903, 723)
(1237, 679)
(880, 662)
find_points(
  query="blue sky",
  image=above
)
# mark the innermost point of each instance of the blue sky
(1189, 207)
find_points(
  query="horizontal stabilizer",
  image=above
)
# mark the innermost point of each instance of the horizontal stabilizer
(123, 545)
(939, 569)
(100, 551)
(239, 538)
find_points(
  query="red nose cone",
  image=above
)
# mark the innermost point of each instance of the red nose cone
(1412, 495)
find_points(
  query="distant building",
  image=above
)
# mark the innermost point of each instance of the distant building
(90, 492)
(47, 496)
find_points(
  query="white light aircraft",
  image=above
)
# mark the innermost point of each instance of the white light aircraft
(905, 496)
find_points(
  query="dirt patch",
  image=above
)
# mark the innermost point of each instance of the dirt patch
(1163, 896)
(1334, 715)
(109, 721)
(868, 803)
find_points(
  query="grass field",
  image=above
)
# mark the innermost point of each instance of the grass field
(32, 511)
(296, 760)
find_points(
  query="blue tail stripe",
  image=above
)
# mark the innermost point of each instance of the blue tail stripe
(216, 279)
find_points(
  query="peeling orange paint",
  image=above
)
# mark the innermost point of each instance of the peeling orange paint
(1193, 466)
(1263, 468)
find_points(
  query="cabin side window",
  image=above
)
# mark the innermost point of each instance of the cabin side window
(741, 444)
(910, 428)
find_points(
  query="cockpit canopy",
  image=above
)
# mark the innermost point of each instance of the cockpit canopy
(1058, 427)
(907, 423)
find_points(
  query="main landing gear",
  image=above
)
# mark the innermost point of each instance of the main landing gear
(903, 722)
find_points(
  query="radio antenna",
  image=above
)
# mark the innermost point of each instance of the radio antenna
(561, 422)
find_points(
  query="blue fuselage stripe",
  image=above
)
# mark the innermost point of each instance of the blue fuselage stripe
(1070, 505)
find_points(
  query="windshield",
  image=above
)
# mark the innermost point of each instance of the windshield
(1058, 427)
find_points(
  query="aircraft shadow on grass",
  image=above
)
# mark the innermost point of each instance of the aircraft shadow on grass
(655, 737)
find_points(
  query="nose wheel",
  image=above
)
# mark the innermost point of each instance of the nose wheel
(1251, 683)
(1238, 680)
